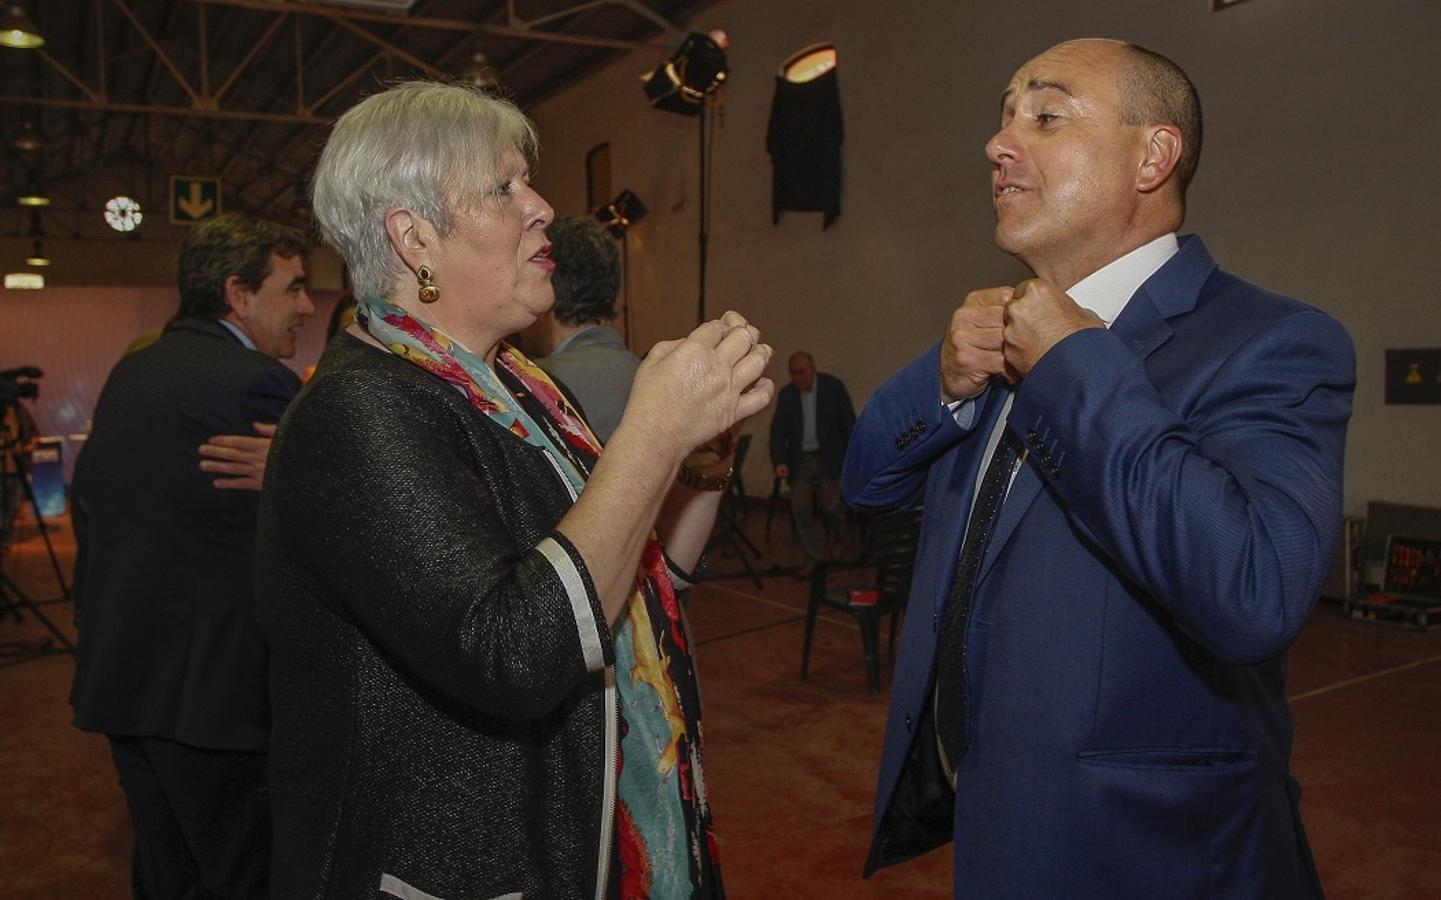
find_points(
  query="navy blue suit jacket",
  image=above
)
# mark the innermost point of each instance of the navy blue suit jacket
(1160, 549)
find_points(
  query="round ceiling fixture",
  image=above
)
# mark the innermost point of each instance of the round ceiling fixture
(123, 213)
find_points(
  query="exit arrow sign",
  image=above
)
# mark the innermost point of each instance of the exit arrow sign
(193, 199)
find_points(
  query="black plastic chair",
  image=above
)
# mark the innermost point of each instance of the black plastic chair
(875, 587)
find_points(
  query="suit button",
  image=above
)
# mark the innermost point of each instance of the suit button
(935, 621)
(908, 724)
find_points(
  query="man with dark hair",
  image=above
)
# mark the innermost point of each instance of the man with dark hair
(809, 431)
(170, 664)
(574, 342)
(1131, 472)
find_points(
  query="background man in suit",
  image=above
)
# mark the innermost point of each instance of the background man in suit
(584, 351)
(1131, 468)
(812, 423)
(170, 664)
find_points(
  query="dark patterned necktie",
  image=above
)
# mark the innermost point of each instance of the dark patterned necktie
(952, 690)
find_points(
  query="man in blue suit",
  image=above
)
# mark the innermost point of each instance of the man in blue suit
(1131, 471)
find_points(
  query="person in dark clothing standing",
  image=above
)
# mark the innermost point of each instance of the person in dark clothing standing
(170, 663)
(809, 433)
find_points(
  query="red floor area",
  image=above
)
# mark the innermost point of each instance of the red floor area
(791, 764)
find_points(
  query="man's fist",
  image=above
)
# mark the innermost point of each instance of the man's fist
(972, 350)
(1038, 317)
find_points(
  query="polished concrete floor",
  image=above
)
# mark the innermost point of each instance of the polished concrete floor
(791, 764)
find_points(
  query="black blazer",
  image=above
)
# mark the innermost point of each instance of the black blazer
(164, 577)
(835, 417)
(445, 710)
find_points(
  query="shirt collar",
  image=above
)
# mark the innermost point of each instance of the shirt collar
(1107, 290)
(570, 337)
(240, 336)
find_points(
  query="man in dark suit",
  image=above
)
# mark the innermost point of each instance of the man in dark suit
(170, 664)
(812, 423)
(1131, 470)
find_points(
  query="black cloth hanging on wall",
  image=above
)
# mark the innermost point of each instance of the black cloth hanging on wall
(804, 141)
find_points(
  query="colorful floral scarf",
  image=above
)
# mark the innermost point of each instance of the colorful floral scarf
(665, 841)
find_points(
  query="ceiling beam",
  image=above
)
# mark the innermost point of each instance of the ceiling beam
(358, 15)
(181, 111)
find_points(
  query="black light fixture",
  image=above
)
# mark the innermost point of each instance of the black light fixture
(696, 70)
(621, 213)
(37, 256)
(17, 31)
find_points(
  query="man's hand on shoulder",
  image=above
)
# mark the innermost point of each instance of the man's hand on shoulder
(239, 457)
(972, 350)
(1039, 316)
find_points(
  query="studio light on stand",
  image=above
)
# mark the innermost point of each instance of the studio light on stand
(682, 83)
(618, 216)
(686, 84)
(621, 213)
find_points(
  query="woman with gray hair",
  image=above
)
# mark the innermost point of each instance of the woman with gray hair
(481, 680)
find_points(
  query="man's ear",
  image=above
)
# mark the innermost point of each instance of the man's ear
(1163, 153)
(237, 296)
(411, 237)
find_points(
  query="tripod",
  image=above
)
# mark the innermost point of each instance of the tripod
(12, 598)
(728, 537)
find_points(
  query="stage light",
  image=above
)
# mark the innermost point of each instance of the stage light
(33, 196)
(37, 256)
(696, 70)
(621, 213)
(17, 31)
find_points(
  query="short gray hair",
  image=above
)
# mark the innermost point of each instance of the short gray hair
(429, 147)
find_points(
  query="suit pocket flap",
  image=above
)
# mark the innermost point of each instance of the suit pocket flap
(1182, 759)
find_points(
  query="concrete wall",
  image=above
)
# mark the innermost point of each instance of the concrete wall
(1318, 180)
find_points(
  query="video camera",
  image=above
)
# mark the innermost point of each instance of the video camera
(19, 384)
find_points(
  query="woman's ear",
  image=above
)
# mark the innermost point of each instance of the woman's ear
(411, 237)
(1163, 153)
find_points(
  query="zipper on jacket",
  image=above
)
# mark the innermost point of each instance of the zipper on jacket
(609, 784)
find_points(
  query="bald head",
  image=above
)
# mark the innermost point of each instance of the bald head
(802, 370)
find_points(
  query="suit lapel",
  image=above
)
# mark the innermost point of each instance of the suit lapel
(1172, 291)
